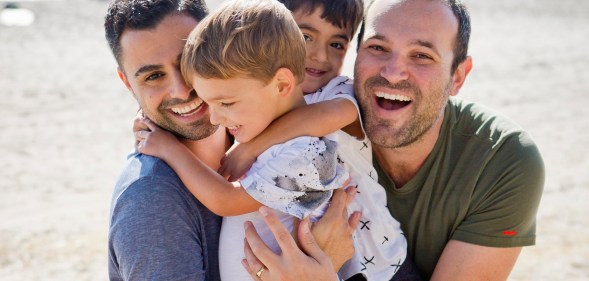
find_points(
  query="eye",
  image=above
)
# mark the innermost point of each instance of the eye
(377, 48)
(306, 37)
(423, 57)
(154, 76)
(227, 104)
(338, 46)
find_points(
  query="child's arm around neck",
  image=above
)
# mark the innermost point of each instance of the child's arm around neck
(215, 192)
(316, 120)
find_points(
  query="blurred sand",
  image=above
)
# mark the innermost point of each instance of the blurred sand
(66, 119)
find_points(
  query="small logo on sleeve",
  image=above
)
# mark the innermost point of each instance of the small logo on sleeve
(509, 233)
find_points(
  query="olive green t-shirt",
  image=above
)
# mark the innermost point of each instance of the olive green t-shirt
(481, 184)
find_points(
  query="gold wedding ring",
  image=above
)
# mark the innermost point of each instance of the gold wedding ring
(259, 273)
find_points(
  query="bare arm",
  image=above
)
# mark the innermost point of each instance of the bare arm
(316, 120)
(465, 261)
(218, 195)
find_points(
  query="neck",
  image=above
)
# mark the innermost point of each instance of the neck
(402, 164)
(211, 149)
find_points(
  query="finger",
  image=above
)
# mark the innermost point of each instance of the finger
(251, 263)
(222, 171)
(337, 204)
(139, 125)
(284, 238)
(152, 126)
(308, 243)
(347, 181)
(141, 146)
(247, 268)
(354, 220)
(258, 248)
(351, 192)
(232, 177)
(139, 113)
(141, 135)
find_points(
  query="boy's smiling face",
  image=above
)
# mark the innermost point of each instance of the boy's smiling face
(245, 106)
(326, 46)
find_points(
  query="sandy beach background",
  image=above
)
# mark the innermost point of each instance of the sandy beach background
(65, 129)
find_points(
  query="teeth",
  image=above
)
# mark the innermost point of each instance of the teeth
(313, 70)
(232, 127)
(188, 108)
(392, 97)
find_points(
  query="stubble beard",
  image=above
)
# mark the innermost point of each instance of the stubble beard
(194, 131)
(389, 134)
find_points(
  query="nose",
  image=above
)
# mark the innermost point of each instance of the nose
(394, 69)
(317, 52)
(179, 88)
(216, 116)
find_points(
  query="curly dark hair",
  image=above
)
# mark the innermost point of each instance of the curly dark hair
(144, 14)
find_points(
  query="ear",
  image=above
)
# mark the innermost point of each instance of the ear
(285, 81)
(123, 78)
(460, 75)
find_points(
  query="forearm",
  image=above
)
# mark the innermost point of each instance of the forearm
(314, 120)
(207, 186)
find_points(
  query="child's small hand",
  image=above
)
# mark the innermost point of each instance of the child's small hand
(154, 140)
(139, 125)
(237, 161)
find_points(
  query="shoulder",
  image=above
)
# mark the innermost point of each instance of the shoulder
(148, 189)
(499, 138)
(145, 177)
(476, 120)
(153, 214)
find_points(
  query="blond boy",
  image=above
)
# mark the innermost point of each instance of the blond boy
(247, 62)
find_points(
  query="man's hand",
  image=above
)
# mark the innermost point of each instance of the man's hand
(333, 232)
(314, 261)
(292, 264)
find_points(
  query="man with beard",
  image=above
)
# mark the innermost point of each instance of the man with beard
(158, 230)
(464, 182)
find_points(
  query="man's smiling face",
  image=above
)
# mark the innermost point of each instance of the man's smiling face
(150, 62)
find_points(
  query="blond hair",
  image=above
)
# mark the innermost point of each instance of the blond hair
(251, 38)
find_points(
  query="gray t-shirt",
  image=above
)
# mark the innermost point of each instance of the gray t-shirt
(158, 230)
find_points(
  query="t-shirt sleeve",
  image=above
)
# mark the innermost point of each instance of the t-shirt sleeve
(505, 201)
(340, 87)
(156, 233)
(296, 177)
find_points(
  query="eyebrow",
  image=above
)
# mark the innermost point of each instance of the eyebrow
(313, 29)
(426, 44)
(215, 99)
(422, 43)
(148, 68)
(378, 37)
(152, 67)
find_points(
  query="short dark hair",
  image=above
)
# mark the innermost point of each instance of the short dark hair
(462, 38)
(142, 15)
(340, 13)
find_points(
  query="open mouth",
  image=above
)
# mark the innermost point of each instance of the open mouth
(189, 109)
(392, 102)
(314, 72)
(233, 129)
